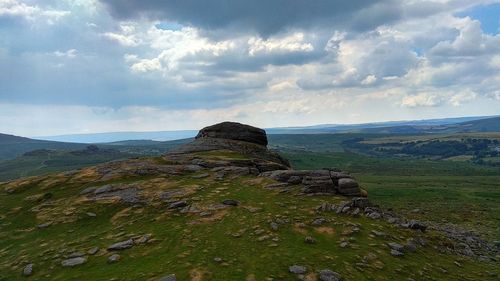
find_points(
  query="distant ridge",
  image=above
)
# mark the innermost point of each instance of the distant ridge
(314, 129)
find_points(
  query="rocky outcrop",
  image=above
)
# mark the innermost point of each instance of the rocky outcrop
(318, 181)
(233, 136)
(234, 131)
(252, 141)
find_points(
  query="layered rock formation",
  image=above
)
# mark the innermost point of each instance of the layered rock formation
(234, 131)
(252, 141)
(236, 137)
(319, 181)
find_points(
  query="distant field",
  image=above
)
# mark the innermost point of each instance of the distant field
(457, 192)
(405, 138)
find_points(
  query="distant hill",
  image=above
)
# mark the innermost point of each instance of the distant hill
(117, 137)
(4, 138)
(13, 146)
(482, 125)
(121, 136)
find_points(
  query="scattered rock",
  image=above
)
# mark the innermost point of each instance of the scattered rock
(396, 253)
(217, 259)
(76, 255)
(297, 269)
(309, 240)
(121, 245)
(318, 221)
(44, 225)
(143, 239)
(28, 269)
(170, 277)
(177, 204)
(329, 275)
(92, 215)
(114, 258)
(414, 224)
(378, 233)
(93, 251)
(274, 226)
(74, 261)
(396, 246)
(230, 202)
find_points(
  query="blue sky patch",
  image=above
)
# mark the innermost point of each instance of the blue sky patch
(169, 26)
(488, 15)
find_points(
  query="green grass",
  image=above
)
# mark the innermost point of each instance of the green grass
(182, 246)
(457, 192)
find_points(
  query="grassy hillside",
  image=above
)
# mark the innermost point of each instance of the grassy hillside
(457, 192)
(45, 221)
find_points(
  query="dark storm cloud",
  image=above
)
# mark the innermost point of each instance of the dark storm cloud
(263, 16)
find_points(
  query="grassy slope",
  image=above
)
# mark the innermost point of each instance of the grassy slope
(187, 245)
(62, 160)
(457, 192)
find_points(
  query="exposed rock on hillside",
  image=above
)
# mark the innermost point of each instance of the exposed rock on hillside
(253, 141)
(235, 137)
(318, 181)
(234, 131)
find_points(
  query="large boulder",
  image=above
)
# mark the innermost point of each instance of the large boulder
(236, 137)
(318, 181)
(234, 131)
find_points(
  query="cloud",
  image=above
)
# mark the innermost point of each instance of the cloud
(261, 16)
(71, 53)
(460, 98)
(145, 62)
(421, 100)
(291, 43)
(470, 42)
(32, 13)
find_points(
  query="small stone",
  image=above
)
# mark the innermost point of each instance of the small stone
(274, 226)
(28, 269)
(230, 202)
(177, 204)
(113, 258)
(396, 246)
(329, 275)
(170, 277)
(121, 245)
(309, 240)
(73, 262)
(44, 225)
(92, 215)
(318, 221)
(414, 224)
(217, 259)
(297, 269)
(143, 239)
(93, 251)
(263, 237)
(344, 244)
(378, 233)
(396, 253)
(76, 255)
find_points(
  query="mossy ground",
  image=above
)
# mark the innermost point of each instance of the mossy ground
(186, 244)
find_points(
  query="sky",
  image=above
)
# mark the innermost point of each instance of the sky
(87, 66)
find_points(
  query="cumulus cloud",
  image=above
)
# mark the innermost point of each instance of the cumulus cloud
(261, 16)
(286, 62)
(421, 99)
(15, 8)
